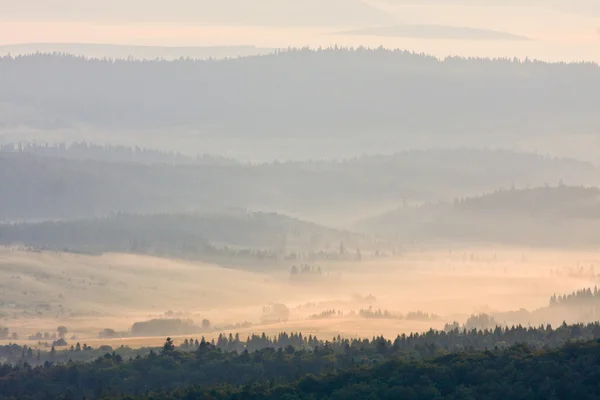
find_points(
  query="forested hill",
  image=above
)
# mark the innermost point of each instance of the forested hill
(85, 151)
(391, 95)
(547, 202)
(97, 50)
(84, 181)
(553, 216)
(193, 236)
(518, 373)
(366, 369)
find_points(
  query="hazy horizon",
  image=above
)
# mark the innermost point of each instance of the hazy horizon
(559, 31)
(324, 199)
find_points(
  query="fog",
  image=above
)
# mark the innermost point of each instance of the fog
(331, 167)
(262, 12)
(86, 182)
(559, 31)
(586, 7)
(91, 293)
(283, 101)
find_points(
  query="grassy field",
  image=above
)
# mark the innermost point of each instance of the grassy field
(42, 290)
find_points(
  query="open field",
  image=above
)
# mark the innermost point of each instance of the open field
(42, 290)
(324, 329)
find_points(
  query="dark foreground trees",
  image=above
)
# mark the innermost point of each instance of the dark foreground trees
(520, 372)
(517, 363)
(571, 372)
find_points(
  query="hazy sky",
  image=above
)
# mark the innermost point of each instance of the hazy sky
(560, 29)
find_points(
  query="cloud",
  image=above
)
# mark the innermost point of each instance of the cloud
(435, 32)
(235, 12)
(581, 7)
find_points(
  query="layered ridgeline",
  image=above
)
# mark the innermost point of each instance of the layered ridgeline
(351, 101)
(194, 236)
(115, 51)
(562, 216)
(81, 181)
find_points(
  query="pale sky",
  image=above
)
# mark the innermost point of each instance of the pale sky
(560, 29)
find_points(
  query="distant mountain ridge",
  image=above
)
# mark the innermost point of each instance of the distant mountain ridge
(406, 100)
(562, 216)
(116, 51)
(188, 235)
(90, 182)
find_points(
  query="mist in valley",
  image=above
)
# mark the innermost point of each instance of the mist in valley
(272, 215)
(137, 300)
(275, 104)
(246, 195)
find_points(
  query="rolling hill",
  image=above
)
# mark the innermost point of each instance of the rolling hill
(84, 182)
(114, 51)
(194, 236)
(548, 216)
(377, 101)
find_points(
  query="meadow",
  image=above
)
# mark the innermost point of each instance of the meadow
(89, 294)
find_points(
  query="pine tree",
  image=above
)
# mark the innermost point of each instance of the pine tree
(169, 346)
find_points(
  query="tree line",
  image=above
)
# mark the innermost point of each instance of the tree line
(113, 153)
(245, 235)
(583, 297)
(279, 360)
(209, 92)
(536, 216)
(231, 360)
(35, 187)
(519, 372)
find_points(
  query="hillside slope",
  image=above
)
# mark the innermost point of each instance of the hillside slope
(405, 100)
(96, 182)
(184, 235)
(551, 216)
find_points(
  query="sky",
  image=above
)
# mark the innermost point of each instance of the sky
(566, 30)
